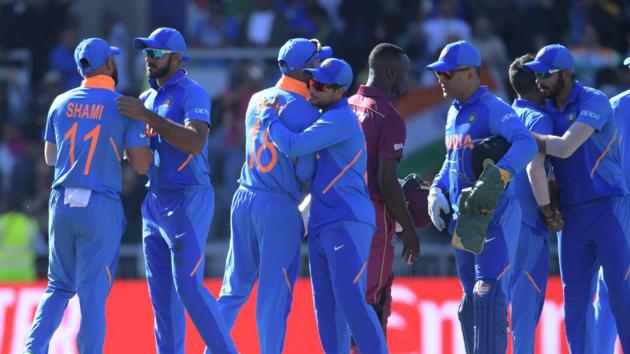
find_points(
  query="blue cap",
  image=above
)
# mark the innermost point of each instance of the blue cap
(553, 56)
(627, 61)
(297, 52)
(95, 51)
(455, 55)
(332, 71)
(163, 38)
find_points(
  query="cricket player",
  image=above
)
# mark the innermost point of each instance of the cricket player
(601, 335)
(593, 198)
(266, 225)
(476, 113)
(178, 208)
(529, 274)
(341, 222)
(385, 134)
(85, 141)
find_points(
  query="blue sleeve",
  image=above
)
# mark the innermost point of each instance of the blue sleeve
(540, 123)
(595, 111)
(135, 135)
(197, 104)
(507, 124)
(441, 179)
(321, 134)
(49, 134)
(305, 167)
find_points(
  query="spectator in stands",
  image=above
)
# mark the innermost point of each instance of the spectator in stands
(216, 28)
(61, 57)
(263, 26)
(445, 27)
(591, 56)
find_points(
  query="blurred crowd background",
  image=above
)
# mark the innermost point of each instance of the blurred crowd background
(233, 45)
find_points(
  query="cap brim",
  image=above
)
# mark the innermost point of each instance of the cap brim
(324, 53)
(141, 43)
(627, 61)
(115, 50)
(538, 67)
(441, 66)
(318, 76)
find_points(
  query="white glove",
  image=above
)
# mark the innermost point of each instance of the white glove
(436, 202)
(305, 210)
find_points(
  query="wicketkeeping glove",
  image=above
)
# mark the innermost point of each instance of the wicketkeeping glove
(485, 193)
(470, 229)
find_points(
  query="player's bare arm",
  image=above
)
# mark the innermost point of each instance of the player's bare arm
(565, 145)
(189, 137)
(50, 153)
(395, 202)
(140, 158)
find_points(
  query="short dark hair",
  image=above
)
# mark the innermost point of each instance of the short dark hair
(384, 51)
(522, 79)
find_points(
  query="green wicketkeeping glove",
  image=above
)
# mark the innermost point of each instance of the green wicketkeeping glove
(486, 191)
(470, 229)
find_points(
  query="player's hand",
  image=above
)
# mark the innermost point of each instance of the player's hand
(411, 246)
(132, 107)
(552, 217)
(436, 202)
(265, 103)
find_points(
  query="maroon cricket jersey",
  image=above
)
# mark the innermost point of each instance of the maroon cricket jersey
(384, 131)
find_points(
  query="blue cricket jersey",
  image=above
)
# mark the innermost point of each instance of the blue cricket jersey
(482, 115)
(537, 121)
(593, 171)
(91, 136)
(621, 110)
(265, 167)
(180, 99)
(339, 189)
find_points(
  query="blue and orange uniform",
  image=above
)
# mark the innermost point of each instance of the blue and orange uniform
(594, 202)
(482, 115)
(270, 189)
(86, 215)
(530, 270)
(601, 330)
(176, 216)
(341, 222)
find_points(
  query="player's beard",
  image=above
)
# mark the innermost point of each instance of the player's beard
(164, 71)
(555, 90)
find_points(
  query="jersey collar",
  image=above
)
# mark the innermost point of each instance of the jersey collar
(177, 77)
(99, 81)
(521, 103)
(577, 88)
(371, 91)
(292, 85)
(472, 99)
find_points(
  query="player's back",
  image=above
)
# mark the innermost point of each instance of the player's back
(90, 135)
(535, 120)
(266, 168)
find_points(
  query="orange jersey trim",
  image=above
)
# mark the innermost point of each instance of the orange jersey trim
(603, 154)
(354, 160)
(99, 81)
(181, 167)
(292, 85)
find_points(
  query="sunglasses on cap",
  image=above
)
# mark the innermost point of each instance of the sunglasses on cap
(156, 53)
(321, 87)
(449, 74)
(546, 74)
(318, 47)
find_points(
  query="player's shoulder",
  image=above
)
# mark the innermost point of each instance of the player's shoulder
(497, 107)
(593, 96)
(621, 100)
(192, 87)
